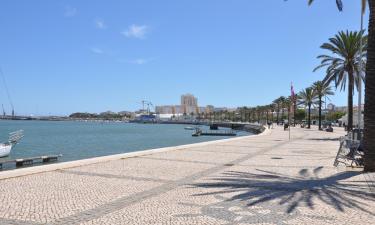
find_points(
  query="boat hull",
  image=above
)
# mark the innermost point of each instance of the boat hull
(5, 150)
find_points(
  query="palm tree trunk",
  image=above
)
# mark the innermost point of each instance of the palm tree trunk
(320, 112)
(277, 114)
(309, 118)
(369, 132)
(350, 100)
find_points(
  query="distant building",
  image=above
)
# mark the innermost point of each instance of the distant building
(165, 109)
(189, 100)
(341, 109)
(209, 109)
(189, 104)
(107, 113)
(220, 109)
(355, 108)
(331, 107)
(168, 109)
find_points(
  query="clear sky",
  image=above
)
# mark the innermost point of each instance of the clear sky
(64, 56)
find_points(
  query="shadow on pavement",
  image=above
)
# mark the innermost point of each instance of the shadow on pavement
(323, 139)
(292, 191)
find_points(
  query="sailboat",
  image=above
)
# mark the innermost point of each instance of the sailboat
(14, 138)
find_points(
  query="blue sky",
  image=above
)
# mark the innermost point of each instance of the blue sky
(60, 57)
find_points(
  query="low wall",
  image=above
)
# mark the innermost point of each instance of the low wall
(252, 128)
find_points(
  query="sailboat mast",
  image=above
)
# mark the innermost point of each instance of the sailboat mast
(2, 105)
(7, 91)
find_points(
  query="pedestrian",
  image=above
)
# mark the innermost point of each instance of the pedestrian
(286, 125)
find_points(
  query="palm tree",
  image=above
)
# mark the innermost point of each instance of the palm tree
(345, 63)
(277, 103)
(307, 97)
(369, 131)
(258, 111)
(272, 109)
(282, 100)
(321, 89)
(287, 104)
(340, 4)
(295, 109)
(267, 109)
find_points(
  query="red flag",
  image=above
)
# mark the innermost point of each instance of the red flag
(292, 91)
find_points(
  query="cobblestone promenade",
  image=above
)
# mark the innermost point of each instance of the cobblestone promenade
(265, 179)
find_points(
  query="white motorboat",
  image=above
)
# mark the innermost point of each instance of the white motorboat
(6, 147)
(189, 128)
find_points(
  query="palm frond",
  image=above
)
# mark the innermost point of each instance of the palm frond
(339, 5)
(345, 58)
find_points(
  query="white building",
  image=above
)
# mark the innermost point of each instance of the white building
(189, 104)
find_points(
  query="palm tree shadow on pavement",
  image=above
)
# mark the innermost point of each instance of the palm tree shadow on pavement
(292, 191)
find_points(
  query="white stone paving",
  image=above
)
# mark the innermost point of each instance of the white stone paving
(265, 179)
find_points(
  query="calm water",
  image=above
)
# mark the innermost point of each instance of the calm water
(80, 140)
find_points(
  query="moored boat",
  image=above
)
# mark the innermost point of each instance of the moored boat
(6, 147)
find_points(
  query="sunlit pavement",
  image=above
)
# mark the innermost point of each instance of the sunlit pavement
(267, 179)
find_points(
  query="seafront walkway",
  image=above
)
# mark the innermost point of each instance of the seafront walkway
(264, 179)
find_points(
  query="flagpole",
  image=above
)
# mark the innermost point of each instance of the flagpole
(289, 122)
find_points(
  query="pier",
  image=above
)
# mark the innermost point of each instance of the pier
(30, 161)
(199, 132)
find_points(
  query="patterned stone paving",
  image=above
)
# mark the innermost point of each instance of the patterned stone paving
(266, 179)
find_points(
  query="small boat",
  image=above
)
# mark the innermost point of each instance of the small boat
(189, 128)
(6, 147)
(197, 133)
(214, 126)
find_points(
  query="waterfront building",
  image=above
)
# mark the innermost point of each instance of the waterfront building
(331, 107)
(341, 109)
(222, 109)
(168, 109)
(189, 104)
(334, 108)
(355, 108)
(189, 100)
(165, 109)
(209, 109)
